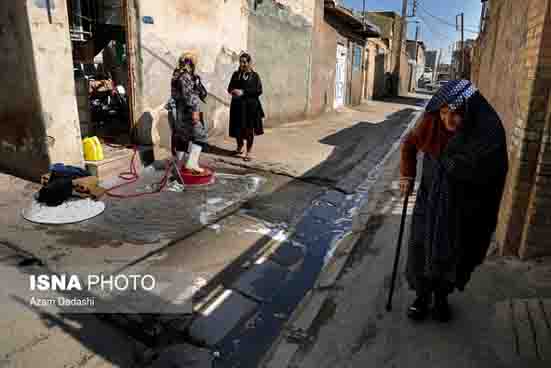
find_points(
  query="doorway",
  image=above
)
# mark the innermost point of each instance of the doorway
(340, 76)
(379, 79)
(99, 38)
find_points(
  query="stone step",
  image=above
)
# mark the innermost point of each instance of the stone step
(115, 162)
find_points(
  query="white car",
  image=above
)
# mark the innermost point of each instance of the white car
(437, 85)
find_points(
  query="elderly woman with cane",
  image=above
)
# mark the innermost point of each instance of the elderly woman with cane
(465, 164)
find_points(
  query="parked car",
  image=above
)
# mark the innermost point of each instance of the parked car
(437, 85)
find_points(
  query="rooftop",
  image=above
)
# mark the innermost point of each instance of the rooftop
(361, 26)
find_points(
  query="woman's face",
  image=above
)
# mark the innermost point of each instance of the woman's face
(187, 64)
(451, 119)
(244, 64)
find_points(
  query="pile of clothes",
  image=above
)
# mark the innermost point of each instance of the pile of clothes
(64, 180)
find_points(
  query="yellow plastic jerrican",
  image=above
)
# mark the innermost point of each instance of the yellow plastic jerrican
(93, 150)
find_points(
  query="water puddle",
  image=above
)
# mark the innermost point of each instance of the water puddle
(328, 220)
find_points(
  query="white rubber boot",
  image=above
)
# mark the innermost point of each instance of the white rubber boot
(193, 160)
(181, 157)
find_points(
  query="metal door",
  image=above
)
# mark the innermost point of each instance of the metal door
(340, 76)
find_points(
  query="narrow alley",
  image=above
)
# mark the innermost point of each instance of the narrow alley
(275, 183)
(234, 262)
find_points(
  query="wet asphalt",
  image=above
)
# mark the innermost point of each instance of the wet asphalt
(310, 244)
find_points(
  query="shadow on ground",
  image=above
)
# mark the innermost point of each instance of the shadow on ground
(365, 143)
(412, 101)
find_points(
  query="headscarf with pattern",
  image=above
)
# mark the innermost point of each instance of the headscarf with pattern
(454, 94)
(188, 80)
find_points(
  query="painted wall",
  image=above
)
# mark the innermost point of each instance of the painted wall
(369, 66)
(389, 24)
(280, 42)
(278, 35)
(324, 59)
(19, 108)
(378, 62)
(217, 30)
(37, 96)
(56, 85)
(416, 53)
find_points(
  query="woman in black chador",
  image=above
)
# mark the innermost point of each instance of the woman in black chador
(246, 111)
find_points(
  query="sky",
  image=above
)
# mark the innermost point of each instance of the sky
(432, 16)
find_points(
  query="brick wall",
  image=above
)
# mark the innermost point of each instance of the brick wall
(537, 229)
(536, 235)
(511, 68)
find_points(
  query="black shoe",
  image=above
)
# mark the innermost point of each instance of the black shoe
(420, 308)
(441, 310)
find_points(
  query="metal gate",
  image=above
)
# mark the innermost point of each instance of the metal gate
(340, 76)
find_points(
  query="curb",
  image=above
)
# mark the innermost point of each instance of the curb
(282, 351)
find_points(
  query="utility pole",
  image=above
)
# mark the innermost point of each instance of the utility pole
(436, 67)
(462, 45)
(416, 41)
(403, 33)
(363, 13)
(452, 60)
(462, 55)
(404, 18)
(416, 55)
(482, 15)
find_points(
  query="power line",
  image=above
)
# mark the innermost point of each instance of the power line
(441, 20)
(435, 33)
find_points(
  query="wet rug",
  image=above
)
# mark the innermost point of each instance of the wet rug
(72, 211)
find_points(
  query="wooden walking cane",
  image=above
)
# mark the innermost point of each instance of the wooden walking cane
(397, 256)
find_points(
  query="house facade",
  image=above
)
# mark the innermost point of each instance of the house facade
(416, 53)
(398, 73)
(310, 55)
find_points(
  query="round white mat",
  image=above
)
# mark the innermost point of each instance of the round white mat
(71, 211)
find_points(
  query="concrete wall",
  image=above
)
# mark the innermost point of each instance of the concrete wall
(390, 25)
(56, 85)
(516, 43)
(216, 29)
(19, 109)
(421, 64)
(356, 73)
(404, 73)
(416, 53)
(37, 97)
(400, 56)
(323, 63)
(280, 42)
(369, 69)
(377, 66)
(278, 35)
